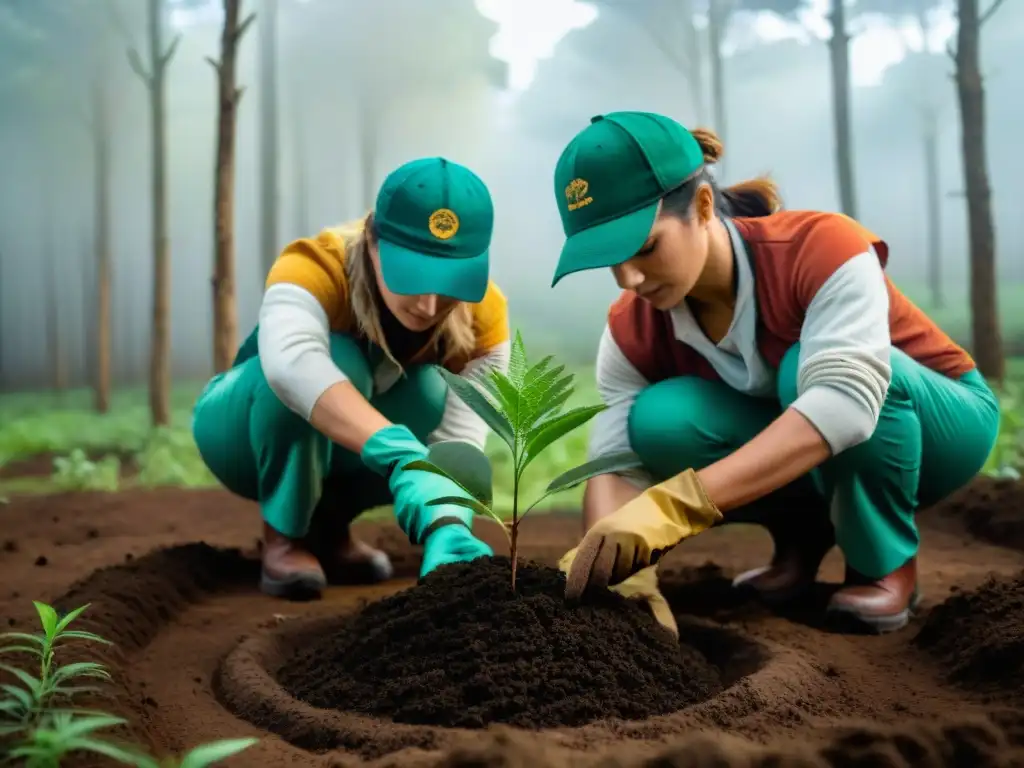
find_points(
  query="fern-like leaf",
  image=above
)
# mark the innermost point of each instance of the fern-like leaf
(517, 361)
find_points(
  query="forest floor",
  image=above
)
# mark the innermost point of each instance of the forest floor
(101, 511)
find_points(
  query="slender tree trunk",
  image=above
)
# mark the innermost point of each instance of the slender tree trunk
(301, 183)
(986, 336)
(934, 212)
(269, 144)
(718, 22)
(225, 311)
(101, 158)
(58, 354)
(368, 150)
(160, 341)
(839, 55)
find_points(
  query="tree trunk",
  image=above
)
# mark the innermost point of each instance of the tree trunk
(101, 152)
(225, 311)
(58, 356)
(302, 222)
(160, 343)
(269, 190)
(934, 212)
(368, 151)
(839, 54)
(986, 337)
(718, 22)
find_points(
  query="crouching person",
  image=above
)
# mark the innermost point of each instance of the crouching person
(338, 388)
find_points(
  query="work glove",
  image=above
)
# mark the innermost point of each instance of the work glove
(642, 586)
(637, 534)
(445, 530)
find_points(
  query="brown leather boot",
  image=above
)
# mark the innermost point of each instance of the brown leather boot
(289, 569)
(878, 605)
(352, 561)
(346, 559)
(802, 538)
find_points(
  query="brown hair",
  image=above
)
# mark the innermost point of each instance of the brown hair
(754, 197)
(454, 335)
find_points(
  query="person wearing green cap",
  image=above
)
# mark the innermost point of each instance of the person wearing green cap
(337, 388)
(765, 369)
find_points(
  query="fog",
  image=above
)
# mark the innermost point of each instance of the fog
(422, 72)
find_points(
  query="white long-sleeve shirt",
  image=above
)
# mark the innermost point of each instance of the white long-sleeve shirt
(843, 374)
(294, 350)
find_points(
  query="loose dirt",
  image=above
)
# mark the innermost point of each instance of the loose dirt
(170, 577)
(462, 650)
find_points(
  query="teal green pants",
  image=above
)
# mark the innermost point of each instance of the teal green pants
(933, 435)
(261, 450)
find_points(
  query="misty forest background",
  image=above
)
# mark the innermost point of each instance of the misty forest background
(153, 169)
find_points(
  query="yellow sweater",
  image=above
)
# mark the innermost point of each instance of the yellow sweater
(318, 265)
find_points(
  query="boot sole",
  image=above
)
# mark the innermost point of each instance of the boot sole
(300, 586)
(844, 618)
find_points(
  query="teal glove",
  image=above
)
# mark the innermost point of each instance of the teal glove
(451, 544)
(386, 453)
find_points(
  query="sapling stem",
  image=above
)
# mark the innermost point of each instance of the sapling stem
(514, 537)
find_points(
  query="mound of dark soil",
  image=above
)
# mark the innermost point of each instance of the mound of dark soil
(461, 650)
(979, 635)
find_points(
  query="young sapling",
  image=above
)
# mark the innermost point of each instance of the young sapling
(525, 409)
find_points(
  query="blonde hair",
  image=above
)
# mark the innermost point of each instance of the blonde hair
(454, 335)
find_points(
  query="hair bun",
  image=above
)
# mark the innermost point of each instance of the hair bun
(710, 144)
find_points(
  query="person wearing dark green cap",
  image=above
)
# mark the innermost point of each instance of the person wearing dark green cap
(765, 369)
(337, 388)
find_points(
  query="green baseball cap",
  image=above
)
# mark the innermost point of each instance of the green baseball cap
(609, 181)
(434, 221)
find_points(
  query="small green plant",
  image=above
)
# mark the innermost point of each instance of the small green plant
(525, 409)
(1007, 457)
(39, 726)
(76, 472)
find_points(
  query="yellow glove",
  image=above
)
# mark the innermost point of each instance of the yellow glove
(637, 534)
(642, 586)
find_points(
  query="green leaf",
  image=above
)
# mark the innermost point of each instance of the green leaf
(467, 465)
(505, 392)
(484, 408)
(77, 634)
(71, 616)
(472, 504)
(425, 466)
(32, 683)
(23, 697)
(105, 748)
(37, 639)
(47, 617)
(208, 754)
(517, 361)
(604, 465)
(544, 434)
(77, 727)
(80, 669)
(19, 649)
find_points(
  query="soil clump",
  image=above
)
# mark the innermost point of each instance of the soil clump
(461, 650)
(979, 636)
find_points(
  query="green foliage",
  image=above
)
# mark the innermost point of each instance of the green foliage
(76, 472)
(526, 409)
(40, 726)
(1007, 457)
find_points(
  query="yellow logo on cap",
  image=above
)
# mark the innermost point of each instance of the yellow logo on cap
(443, 224)
(576, 194)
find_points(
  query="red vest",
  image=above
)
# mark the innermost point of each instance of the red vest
(792, 254)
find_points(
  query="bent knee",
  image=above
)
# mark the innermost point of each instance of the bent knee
(668, 427)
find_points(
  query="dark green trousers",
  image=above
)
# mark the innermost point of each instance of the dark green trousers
(259, 449)
(934, 434)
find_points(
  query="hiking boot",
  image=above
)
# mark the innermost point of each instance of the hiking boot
(801, 540)
(352, 561)
(289, 569)
(877, 605)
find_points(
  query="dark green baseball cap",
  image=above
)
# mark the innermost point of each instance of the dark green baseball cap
(434, 222)
(609, 181)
